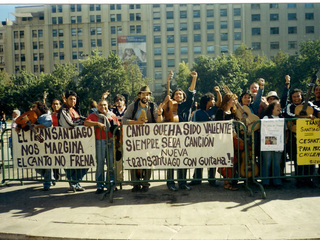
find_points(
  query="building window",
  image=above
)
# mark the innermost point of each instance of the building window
(183, 50)
(41, 56)
(183, 38)
(79, 19)
(196, 26)
(237, 23)
(112, 17)
(72, 7)
(292, 45)
(274, 30)
(138, 17)
(157, 39)
(255, 6)
(118, 18)
(224, 49)
(79, 31)
(16, 46)
(138, 28)
(35, 68)
(274, 5)
(15, 34)
(183, 26)
(112, 6)
(93, 43)
(292, 30)
(255, 31)
(35, 57)
(91, 7)
(255, 17)
(92, 31)
(156, 5)
(210, 25)
(54, 20)
(224, 36)
(170, 15)
(210, 49)
(60, 32)
(55, 44)
(292, 16)
(171, 63)
(61, 44)
(61, 55)
(308, 5)
(22, 46)
(99, 42)
(274, 17)
(119, 29)
(22, 57)
(157, 63)
(156, 28)
(170, 27)
(183, 14)
(309, 16)
(292, 5)
(92, 18)
(78, 7)
(157, 51)
(113, 42)
(131, 16)
(197, 38)
(274, 45)
(16, 57)
(210, 37)
(237, 12)
(40, 33)
(60, 8)
(40, 44)
(99, 30)
(73, 19)
(158, 75)
(224, 25)
(196, 13)
(34, 45)
(170, 39)
(309, 29)
(210, 13)
(53, 9)
(80, 44)
(170, 51)
(156, 15)
(197, 50)
(113, 30)
(73, 32)
(223, 13)
(54, 33)
(118, 6)
(60, 20)
(237, 36)
(74, 43)
(133, 29)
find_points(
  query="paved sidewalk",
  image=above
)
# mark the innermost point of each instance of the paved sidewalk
(27, 212)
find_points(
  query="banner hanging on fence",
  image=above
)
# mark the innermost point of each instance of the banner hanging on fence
(62, 148)
(178, 145)
(308, 142)
(272, 134)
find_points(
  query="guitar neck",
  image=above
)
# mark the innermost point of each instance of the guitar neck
(168, 86)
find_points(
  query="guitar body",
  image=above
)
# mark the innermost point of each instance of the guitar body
(243, 166)
(170, 111)
(26, 120)
(249, 120)
(299, 110)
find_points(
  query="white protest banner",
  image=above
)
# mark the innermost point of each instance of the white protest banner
(62, 148)
(178, 145)
(272, 134)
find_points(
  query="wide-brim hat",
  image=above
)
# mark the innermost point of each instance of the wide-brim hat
(145, 89)
(272, 94)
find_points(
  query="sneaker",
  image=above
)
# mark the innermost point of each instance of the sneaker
(173, 188)
(185, 187)
(145, 189)
(80, 189)
(136, 188)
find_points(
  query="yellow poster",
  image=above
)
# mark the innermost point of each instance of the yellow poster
(308, 141)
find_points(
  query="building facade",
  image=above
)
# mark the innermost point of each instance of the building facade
(160, 35)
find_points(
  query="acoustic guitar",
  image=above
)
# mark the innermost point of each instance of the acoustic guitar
(170, 107)
(25, 122)
(244, 113)
(305, 109)
(249, 166)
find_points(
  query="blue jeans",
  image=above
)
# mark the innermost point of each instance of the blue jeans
(47, 175)
(101, 153)
(271, 159)
(75, 175)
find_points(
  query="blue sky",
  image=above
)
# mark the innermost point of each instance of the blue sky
(5, 11)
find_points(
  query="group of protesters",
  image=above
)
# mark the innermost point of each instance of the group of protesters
(106, 118)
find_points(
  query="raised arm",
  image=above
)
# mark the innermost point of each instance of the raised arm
(219, 97)
(194, 80)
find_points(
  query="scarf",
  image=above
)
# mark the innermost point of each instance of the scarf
(103, 118)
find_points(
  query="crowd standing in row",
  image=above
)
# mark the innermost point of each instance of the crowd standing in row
(143, 111)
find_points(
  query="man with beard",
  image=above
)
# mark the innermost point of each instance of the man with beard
(140, 112)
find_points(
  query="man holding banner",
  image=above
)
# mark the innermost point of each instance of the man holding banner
(105, 122)
(140, 112)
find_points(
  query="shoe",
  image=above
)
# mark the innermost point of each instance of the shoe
(80, 189)
(173, 188)
(228, 186)
(136, 188)
(145, 189)
(99, 191)
(46, 188)
(185, 187)
(71, 189)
